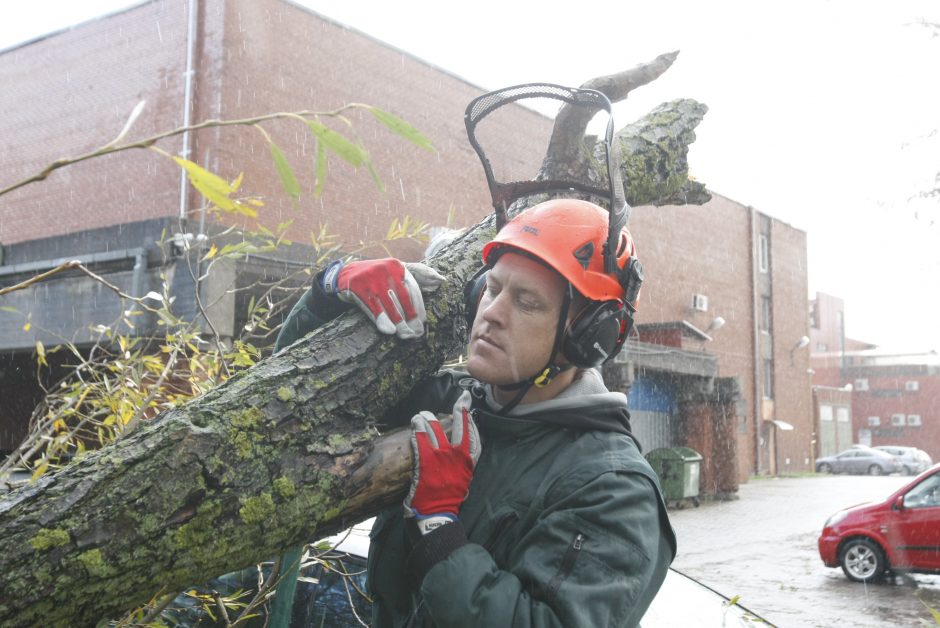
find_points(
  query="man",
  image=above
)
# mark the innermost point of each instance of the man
(557, 520)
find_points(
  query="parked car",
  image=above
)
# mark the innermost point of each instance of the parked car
(912, 459)
(859, 459)
(899, 534)
(331, 592)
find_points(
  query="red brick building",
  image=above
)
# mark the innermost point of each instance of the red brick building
(895, 399)
(738, 392)
(728, 282)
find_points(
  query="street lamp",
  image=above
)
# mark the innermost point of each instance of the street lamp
(716, 324)
(800, 344)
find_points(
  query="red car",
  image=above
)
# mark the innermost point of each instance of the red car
(901, 533)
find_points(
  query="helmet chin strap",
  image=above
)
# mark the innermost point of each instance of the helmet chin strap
(545, 376)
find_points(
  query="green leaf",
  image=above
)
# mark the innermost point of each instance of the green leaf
(238, 248)
(375, 177)
(402, 128)
(216, 189)
(288, 180)
(346, 150)
(7, 308)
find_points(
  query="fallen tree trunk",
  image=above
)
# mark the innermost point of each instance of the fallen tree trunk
(275, 457)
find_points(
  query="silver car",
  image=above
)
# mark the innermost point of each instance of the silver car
(859, 459)
(912, 459)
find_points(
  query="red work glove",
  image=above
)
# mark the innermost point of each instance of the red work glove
(386, 290)
(442, 468)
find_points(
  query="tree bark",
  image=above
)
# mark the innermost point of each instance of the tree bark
(277, 456)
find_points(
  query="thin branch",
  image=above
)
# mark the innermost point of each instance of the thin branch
(36, 279)
(76, 265)
(197, 281)
(262, 593)
(109, 148)
(223, 612)
(158, 608)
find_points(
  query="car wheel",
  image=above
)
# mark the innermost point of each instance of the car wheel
(862, 560)
(824, 467)
(875, 470)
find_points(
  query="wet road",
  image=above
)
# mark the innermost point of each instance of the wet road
(763, 548)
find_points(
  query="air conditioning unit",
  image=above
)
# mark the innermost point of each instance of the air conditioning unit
(913, 419)
(861, 384)
(897, 420)
(912, 385)
(700, 302)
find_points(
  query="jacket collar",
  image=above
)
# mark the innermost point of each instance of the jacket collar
(584, 405)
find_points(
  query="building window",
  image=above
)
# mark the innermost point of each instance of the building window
(913, 419)
(763, 253)
(765, 314)
(825, 413)
(822, 347)
(897, 420)
(842, 414)
(912, 385)
(861, 384)
(874, 421)
(768, 379)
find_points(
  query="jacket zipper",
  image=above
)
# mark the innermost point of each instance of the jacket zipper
(567, 564)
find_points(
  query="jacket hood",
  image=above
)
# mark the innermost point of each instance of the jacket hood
(584, 405)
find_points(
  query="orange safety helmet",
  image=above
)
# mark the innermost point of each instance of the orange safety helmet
(569, 235)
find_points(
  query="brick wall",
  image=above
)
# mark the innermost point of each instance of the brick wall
(72, 92)
(793, 400)
(707, 250)
(251, 57)
(880, 387)
(889, 397)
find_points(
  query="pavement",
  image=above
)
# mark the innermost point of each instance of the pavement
(762, 547)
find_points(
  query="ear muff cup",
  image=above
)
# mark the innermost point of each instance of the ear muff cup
(472, 293)
(597, 333)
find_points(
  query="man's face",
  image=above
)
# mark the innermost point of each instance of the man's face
(514, 329)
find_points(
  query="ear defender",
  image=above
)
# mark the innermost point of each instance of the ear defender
(597, 334)
(472, 293)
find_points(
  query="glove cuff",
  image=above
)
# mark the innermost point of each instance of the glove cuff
(434, 547)
(328, 278)
(428, 524)
(325, 304)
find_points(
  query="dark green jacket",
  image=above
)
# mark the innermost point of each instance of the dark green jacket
(564, 524)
